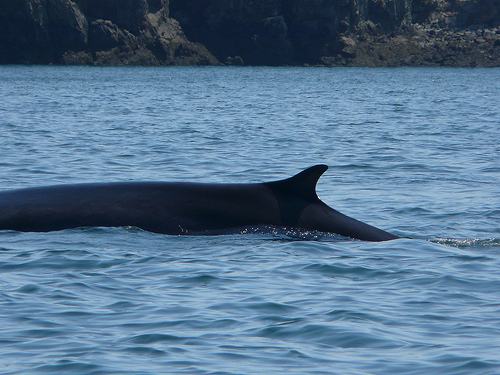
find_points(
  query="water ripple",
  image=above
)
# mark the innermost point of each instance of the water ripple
(412, 151)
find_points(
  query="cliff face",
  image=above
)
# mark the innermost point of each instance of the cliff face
(284, 31)
(435, 32)
(252, 32)
(111, 32)
(345, 32)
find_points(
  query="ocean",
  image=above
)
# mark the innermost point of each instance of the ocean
(414, 151)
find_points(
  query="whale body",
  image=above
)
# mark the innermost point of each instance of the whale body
(181, 207)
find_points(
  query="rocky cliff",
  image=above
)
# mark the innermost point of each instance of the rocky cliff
(251, 32)
(345, 32)
(110, 32)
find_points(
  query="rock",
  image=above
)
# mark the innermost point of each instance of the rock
(170, 45)
(111, 32)
(141, 37)
(126, 14)
(166, 28)
(24, 35)
(140, 56)
(77, 58)
(34, 31)
(389, 14)
(315, 26)
(253, 32)
(190, 54)
(67, 25)
(271, 32)
(271, 45)
(237, 61)
(370, 28)
(105, 35)
(349, 47)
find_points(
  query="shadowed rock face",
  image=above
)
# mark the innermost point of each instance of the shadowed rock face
(345, 32)
(37, 30)
(254, 30)
(251, 32)
(111, 32)
(283, 32)
(129, 15)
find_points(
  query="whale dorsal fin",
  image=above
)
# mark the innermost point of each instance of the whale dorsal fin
(302, 185)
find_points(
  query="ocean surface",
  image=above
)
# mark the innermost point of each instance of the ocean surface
(412, 151)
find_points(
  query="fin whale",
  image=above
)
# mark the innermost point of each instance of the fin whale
(181, 207)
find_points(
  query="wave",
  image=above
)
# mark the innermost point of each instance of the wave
(468, 243)
(278, 232)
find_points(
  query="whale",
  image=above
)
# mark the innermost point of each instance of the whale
(181, 208)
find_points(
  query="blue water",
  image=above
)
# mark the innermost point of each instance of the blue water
(412, 151)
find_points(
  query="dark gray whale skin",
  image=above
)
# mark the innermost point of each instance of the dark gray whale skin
(181, 208)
